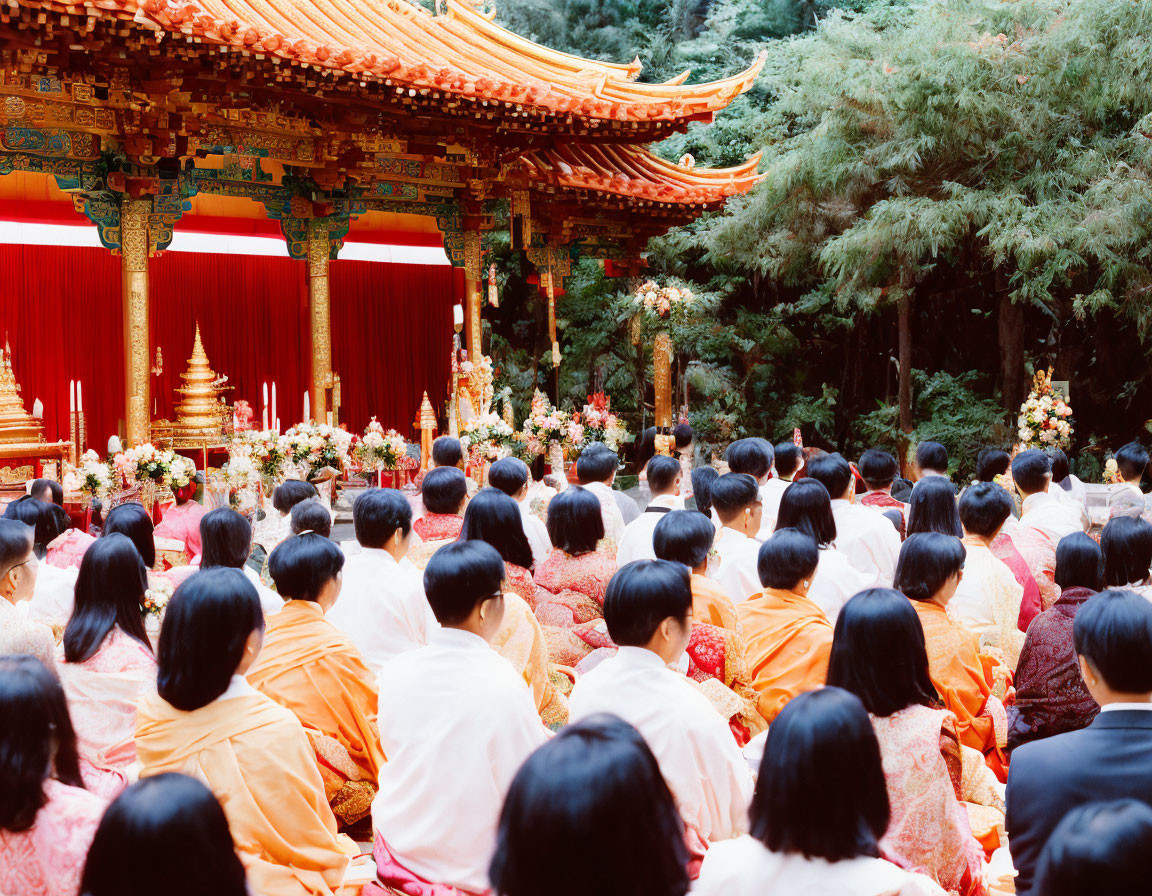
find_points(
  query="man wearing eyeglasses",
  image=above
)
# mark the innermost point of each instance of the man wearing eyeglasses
(18, 564)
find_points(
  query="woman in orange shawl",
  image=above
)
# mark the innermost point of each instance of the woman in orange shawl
(929, 571)
(311, 667)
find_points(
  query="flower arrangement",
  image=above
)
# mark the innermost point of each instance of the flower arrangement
(661, 301)
(264, 449)
(156, 599)
(597, 423)
(378, 449)
(1112, 472)
(147, 463)
(544, 425)
(1045, 419)
(317, 445)
(487, 437)
(92, 477)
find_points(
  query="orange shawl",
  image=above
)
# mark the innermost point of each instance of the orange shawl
(712, 605)
(520, 640)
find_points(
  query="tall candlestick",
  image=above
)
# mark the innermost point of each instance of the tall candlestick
(265, 417)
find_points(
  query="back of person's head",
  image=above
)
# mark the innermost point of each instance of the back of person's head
(15, 543)
(495, 518)
(461, 576)
(821, 790)
(509, 474)
(984, 508)
(752, 456)
(807, 506)
(878, 653)
(641, 595)
(732, 494)
(378, 513)
(444, 490)
(447, 452)
(1079, 562)
(833, 472)
(663, 471)
(40, 517)
(992, 462)
(683, 536)
(933, 508)
(1127, 545)
(303, 566)
(1031, 471)
(1061, 468)
(645, 447)
(789, 459)
(205, 632)
(1132, 461)
(36, 739)
(1097, 848)
(590, 813)
(109, 593)
(174, 830)
(597, 463)
(290, 493)
(927, 561)
(788, 557)
(133, 520)
(879, 468)
(702, 479)
(48, 490)
(932, 456)
(684, 435)
(225, 539)
(1113, 633)
(575, 524)
(311, 516)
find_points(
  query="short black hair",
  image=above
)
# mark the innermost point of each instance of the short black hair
(581, 811)
(302, 565)
(1031, 470)
(932, 456)
(641, 595)
(1079, 562)
(509, 474)
(833, 471)
(56, 490)
(683, 536)
(1061, 469)
(752, 456)
(807, 506)
(133, 520)
(459, 577)
(731, 493)
(992, 462)
(225, 539)
(821, 790)
(495, 518)
(1132, 460)
(15, 543)
(1127, 545)
(444, 490)
(789, 458)
(879, 653)
(702, 479)
(879, 468)
(1099, 847)
(927, 561)
(206, 627)
(41, 517)
(290, 493)
(789, 556)
(683, 434)
(447, 452)
(575, 523)
(311, 516)
(984, 507)
(1113, 632)
(378, 513)
(663, 471)
(109, 594)
(932, 508)
(597, 463)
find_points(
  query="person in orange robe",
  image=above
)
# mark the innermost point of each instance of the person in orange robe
(929, 571)
(208, 722)
(312, 668)
(787, 638)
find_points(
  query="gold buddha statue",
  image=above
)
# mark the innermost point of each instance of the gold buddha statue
(201, 412)
(16, 424)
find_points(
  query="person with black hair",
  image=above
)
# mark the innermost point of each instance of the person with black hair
(596, 470)
(648, 611)
(878, 654)
(736, 501)
(932, 508)
(132, 519)
(174, 830)
(1066, 487)
(511, 476)
(206, 720)
(702, 479)
(589, 812)
(1131, 465)
(932, 460)
(929, 572)
(275, 527)
(51, 600)
(108, 661)
(1112, 757)
(818, 814)
(47, 490)
(756, 458)
(443, 493)
(311, 516)
(1102, 847)
(1051, 697)
(456, 722)
(685, 536)
(1040, 510)
(18, 573)
(880, 470)
(226, 541)
(992, 462)
(1127, 545)
(447, 452)
(47, 817)
(665, 477)
(310, 667)
(382, 608)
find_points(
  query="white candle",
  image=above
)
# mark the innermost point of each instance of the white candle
(71, 396)
(265, 395)
(274, 415)
(265, 418)
(277, 426)
(79, 398)
(307, 417)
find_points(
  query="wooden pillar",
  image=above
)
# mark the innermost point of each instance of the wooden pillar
(473, 329)
(320, 315)
(135, 244)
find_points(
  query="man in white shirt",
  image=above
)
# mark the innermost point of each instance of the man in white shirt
(648, 611)
(446, 452)
(756, 457)
(664, 479)
(1131, 462)
(788, 459)
(736, 500)
(510, 475)
(382, 607)
(1032, 473)
(932, 460)
(867, 538)
(456, 722)
(596, 469)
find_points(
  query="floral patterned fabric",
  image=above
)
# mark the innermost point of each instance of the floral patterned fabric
(884, 501)
(67, 550)
(1030, 605)
(439, 526)
(569, 592)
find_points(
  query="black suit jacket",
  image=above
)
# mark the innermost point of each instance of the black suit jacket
(1110, 759)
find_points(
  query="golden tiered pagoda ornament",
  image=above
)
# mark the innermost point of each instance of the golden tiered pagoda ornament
(16, 424)
(202, 415)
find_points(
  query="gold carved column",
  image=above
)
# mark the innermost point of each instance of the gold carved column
(662, 379)
(320, 314)
(135, 246)
(472, 292)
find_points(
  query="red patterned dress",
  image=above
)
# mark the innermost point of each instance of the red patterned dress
(569, 594)
(439, 526)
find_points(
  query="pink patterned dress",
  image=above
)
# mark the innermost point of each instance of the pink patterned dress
(48, 858)
(569, 595)
(1030, 605)
(181, 522)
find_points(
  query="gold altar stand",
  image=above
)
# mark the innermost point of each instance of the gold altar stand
(203, 421)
